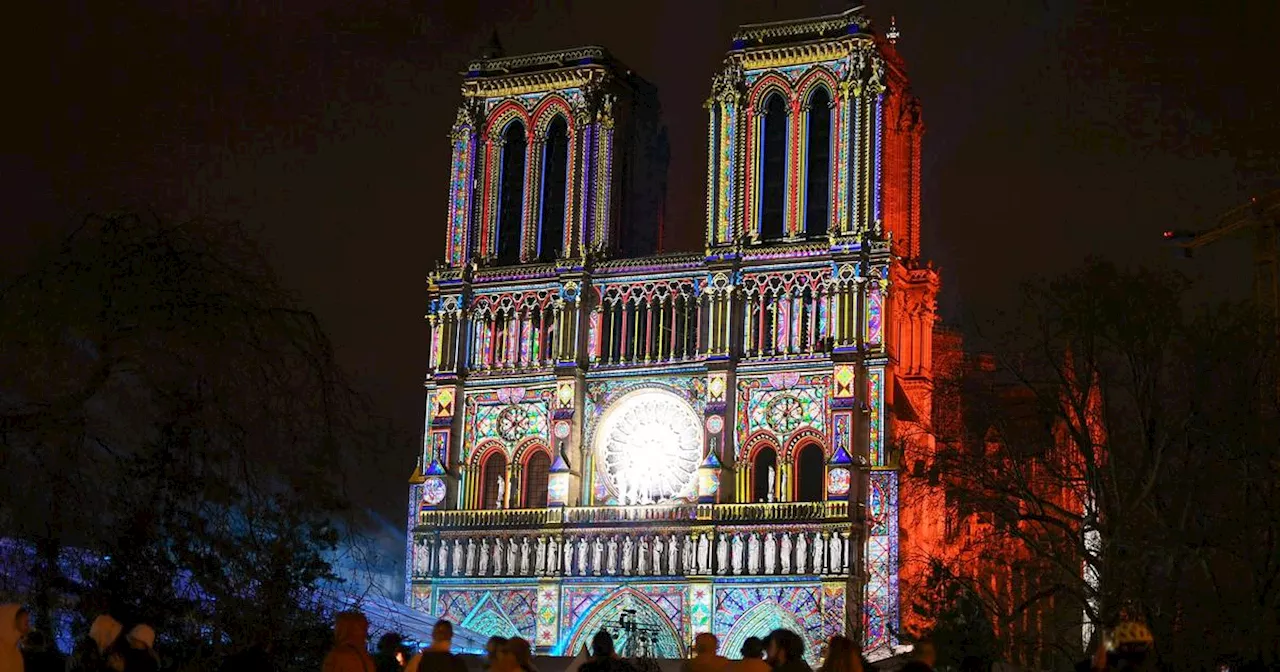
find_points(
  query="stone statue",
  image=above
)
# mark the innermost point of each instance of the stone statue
(753, 554)
(442, 558)
(786, 553)
(772, 476)
(540, 557)
(484, 557)
(568, 557)
(420, 559)
(819, 556)
(845, 543)
(501, 503)
(524, 556)
(497, 556)
(597, 556)
(722, 555)
(657, 556)
(689, 554)
(626, 556)
(770, 551)
(553, 556)
(782, 488)
(836, 548)
(802, 558)
(673, 554)
(613, 555)
(582, 555)
(704, 554)
(737, 554)
(511, 556)
(457, 557)
(642, 562)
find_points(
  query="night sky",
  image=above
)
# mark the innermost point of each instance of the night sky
(1054, 131)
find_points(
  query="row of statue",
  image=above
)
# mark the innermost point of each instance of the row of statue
(738, 553)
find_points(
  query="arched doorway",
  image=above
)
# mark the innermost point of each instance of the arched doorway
(493, 473)
(810, 474)
(663, 638)
(763, 466)
(537, 472)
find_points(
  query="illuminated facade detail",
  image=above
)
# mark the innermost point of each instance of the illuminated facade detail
(682, 435)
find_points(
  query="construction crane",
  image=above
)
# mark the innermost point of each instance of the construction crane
(1262, 215)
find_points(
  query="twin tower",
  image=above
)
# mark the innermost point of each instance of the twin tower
(664, 445)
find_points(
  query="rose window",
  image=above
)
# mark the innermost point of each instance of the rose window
(784, 414)
(649, 448)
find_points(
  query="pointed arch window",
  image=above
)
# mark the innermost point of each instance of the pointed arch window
(511, 193)
(817, 207)
(811, 474)
(492, 473)
(763, 473)
(555, 166)
(773, 168)
(537, 473)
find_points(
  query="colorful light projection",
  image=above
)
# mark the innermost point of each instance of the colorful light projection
(875, 415)
(460, 180)
(880, 611)
(650, 447)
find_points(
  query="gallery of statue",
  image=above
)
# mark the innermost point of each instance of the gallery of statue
(695, 442)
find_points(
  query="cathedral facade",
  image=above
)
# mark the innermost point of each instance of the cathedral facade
(661, 445)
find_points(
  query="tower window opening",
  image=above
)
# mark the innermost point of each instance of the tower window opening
(537, 471)
(511, 193)
(763, 474)
(810, 474)
(817, 207)
(773, 169)
(492, 474)
(555, 164)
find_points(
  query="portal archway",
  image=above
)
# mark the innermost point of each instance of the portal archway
(759, 621)
(604, 615)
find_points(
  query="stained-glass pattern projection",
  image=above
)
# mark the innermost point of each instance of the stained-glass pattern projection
(700, 609)
(833, 614)
(781, 407)
(875, 313)
(460, 180)
(504, 613)
(649, 448)
(725, 192)
(439, 448)
(838, 482)
(433, 491)
(875, 414)
(880, 612)
(507, 415)
(592, 609)
(443, 403)
(845, 375)
(755, 611)
(548, 610)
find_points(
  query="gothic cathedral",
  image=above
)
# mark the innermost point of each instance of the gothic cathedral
(661, 445)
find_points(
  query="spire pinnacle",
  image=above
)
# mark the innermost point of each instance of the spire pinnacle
(892, 33)
(494, 47)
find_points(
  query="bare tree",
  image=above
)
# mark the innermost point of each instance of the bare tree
(1114, 456)
(167, 405)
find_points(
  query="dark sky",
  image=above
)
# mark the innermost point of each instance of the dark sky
(1055, 130)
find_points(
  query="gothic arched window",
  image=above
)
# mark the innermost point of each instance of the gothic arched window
(555, 165)
(511, 193)
(817, 205)
(537, 472)
(773, 168)
(763, 466)
(492, 474)
(811, 474)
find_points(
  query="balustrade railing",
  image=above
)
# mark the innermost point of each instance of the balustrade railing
(490, 518)
(753, 552)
